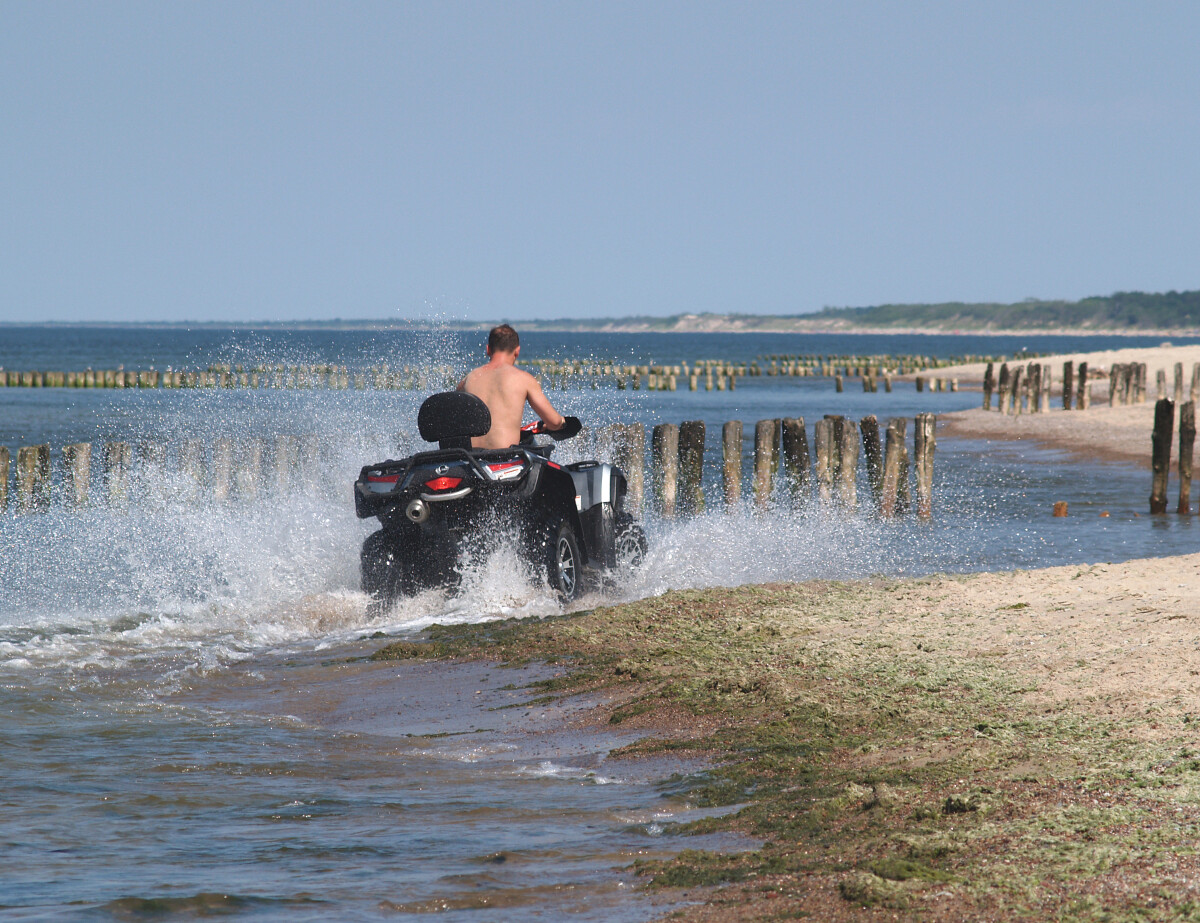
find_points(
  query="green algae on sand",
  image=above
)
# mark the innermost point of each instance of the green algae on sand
(886, 759)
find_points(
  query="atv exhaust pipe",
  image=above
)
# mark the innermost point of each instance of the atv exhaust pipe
(417, 511)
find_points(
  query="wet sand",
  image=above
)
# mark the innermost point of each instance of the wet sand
(1099, 433)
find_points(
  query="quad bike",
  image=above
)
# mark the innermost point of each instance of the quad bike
(436, 507)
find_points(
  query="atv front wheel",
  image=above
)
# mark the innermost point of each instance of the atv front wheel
(563, 561)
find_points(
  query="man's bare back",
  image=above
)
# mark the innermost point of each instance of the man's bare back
(506, 389)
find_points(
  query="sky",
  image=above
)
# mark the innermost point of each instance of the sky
(513, 160)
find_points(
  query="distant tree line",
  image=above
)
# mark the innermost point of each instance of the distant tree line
(1121, 310)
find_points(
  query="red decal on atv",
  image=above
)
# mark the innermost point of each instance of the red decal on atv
(383, 478)
(443, 483)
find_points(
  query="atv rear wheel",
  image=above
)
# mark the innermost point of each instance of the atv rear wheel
(563, 561)
(630, 541)
(386, 566)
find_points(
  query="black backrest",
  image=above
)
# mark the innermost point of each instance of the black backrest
(451, 418)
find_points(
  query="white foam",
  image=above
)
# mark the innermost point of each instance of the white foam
(547, 769)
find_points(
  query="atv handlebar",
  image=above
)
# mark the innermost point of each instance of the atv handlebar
(571, 427)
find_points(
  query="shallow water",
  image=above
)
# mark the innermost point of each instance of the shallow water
(184, 733)
(299, 789)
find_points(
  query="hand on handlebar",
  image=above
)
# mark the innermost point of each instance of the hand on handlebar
(569, 427)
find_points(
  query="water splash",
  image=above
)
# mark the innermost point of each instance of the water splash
(172, 575)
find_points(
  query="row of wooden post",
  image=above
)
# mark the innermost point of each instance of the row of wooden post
(677, 463)
(1030, 387)
(230, 469)
(334, 377)
(1018, 389)
(870, 383)
(721, 374)
(1160, 457)
(856, 366)
(677, 466)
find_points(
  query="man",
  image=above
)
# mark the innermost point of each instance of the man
(505, 389)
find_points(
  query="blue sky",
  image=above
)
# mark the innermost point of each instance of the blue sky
(273, 161)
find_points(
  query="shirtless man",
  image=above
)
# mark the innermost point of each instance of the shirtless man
(505, 389)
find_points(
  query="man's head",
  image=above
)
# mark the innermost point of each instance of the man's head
(503, 339)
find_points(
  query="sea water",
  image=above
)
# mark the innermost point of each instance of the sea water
(189, 726)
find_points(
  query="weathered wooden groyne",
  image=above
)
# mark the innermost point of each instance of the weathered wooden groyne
(1028, 389)
(700, 374)
(1160, 453)
(116, 473)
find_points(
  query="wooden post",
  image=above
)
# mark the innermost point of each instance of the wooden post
(1004, 385)
(630, 439)
(222, 467)
(902, 498)
(691, 467)
(309, 460)
(823, 446)
(153, 455)
(839, 426)
(795, 459)
(1044, 390)
(837, 383)
(1178, 382)
(1068, 386)
(249, 467)
(33, 478)
(731, 453)
(848, 467)
(920, 383)
(117, 458)
(77, 472)
(872, 454)
(1187, 438)
(1114, 384)
(1160, 382)
(664, 454)
(893, 447)
(1014, 391)
(191, 463)
(5, 464)
(1033, 375)
(924, 443)
(1160, 458)
(1194, 393)
(989, 385)
(285, 462)
(1084, 394)
(766, 459)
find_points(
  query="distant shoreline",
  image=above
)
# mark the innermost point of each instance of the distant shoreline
(690, 324)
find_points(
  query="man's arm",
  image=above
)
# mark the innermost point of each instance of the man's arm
(541, 405)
